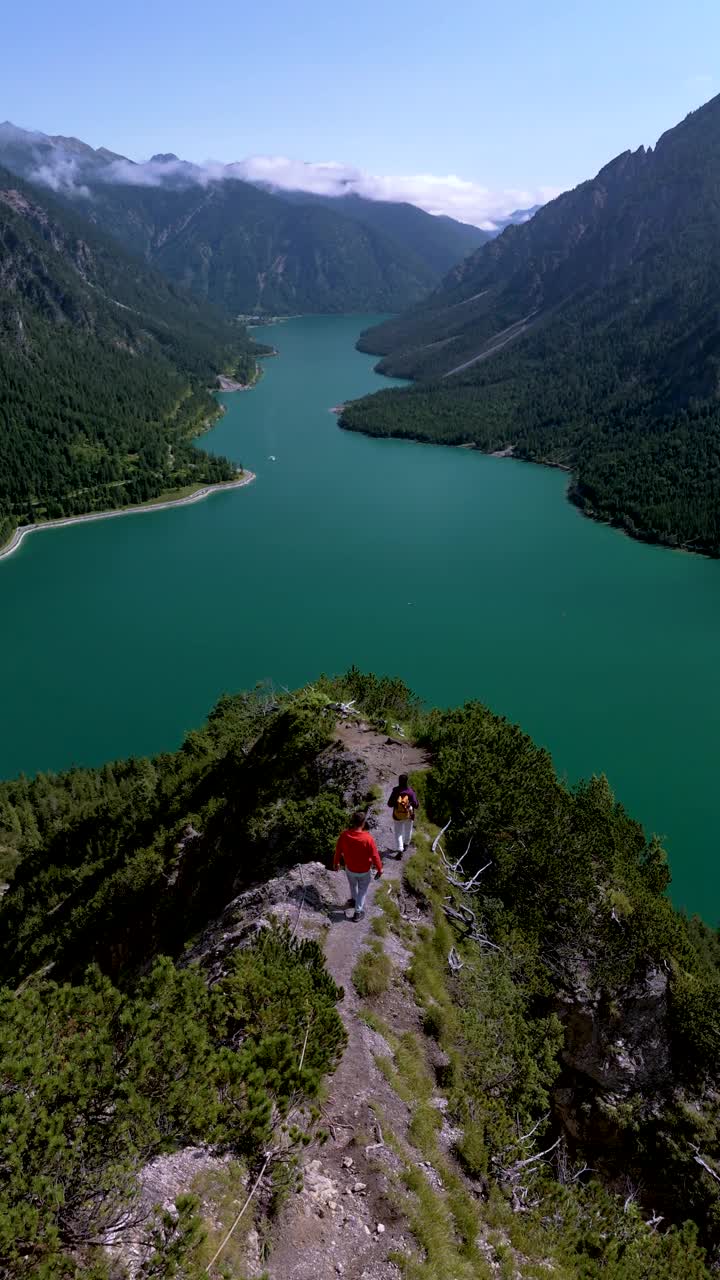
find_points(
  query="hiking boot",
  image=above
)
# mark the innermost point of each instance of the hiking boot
(350, 903)
(358, 915)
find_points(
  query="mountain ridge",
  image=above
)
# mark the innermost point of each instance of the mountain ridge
(586, 337)
(239, 245)
(104, 368)
(523, 1032)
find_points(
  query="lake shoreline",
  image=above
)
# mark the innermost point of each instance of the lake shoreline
(637, 632)
(206, 491)
(572, 494)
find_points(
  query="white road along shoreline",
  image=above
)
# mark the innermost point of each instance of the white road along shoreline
(23, 530)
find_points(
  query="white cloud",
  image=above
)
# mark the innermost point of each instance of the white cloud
(438, 194)
(448, 194)
(60, 175)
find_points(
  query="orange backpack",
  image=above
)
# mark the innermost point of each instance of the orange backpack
(403, 808)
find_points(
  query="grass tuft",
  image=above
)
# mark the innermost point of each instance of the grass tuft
(372, 973)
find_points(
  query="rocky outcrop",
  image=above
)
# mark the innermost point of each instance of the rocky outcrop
(304, 889)
(620, 1044)
(617, 1055)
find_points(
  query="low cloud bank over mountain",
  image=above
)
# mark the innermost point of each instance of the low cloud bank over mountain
(448, 194)
(66, 164)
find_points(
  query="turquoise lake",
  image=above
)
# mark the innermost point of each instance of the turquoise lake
(472, 577)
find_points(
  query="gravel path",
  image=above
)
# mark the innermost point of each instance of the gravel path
(331, 1229)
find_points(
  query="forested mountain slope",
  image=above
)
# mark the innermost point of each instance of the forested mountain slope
(440, 242)
(254, 253)
(104, 368)
(556, 1045)
(245, 248)
(588, 338)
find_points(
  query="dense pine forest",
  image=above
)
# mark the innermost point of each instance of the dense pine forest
(588, 339)
(581, 1007)
(104, 369)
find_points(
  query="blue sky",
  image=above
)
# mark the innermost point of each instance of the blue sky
(514, 96)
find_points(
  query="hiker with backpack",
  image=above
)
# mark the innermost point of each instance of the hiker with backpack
(403, 803)
(357, 849)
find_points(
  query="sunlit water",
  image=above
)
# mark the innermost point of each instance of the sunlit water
(470, 576)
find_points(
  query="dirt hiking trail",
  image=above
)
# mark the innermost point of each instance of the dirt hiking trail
(343, 1222)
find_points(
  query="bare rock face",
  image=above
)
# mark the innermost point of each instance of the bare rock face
(302, 897)
(338, 767)
(129, 1242)
(615, 1050)
(242, 906)
(621, 1044)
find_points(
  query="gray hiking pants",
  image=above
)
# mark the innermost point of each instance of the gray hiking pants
(359, 882)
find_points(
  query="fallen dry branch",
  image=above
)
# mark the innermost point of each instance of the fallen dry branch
(467, 886)
(455, 866)
(522, 1164)
(302, 1055)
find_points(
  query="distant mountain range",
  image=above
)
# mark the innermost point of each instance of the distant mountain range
(588, 338)
(247, 249)
(108, 339)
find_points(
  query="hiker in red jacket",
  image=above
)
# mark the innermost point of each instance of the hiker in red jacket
(403, 803)
(357, 849)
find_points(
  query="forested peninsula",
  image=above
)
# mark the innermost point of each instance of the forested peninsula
(105, 370)
(544, 1025)
(586, 338)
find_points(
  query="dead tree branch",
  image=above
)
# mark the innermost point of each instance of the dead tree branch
(525, 1137)
(467, 886)
(467, 918)
(539, 1155)
(345, 709)
(451, 870)
(436, 841)
(699, 1160)
(519, 1175)
(217, 1253)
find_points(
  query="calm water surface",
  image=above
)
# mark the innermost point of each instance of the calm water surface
(470, 576)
